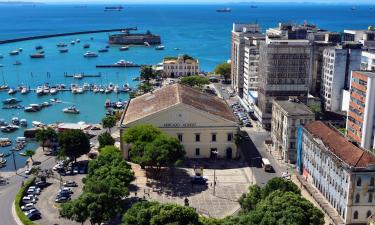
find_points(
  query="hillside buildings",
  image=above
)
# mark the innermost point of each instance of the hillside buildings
(286, 117)
(180, 66)
(360, 118)
(343, 173)
(202, 122)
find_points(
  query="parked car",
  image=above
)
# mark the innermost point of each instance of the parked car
(70, 183)
(41, 184)
(61, 199)
(26, 200)
(27, 207)
(33, 214)
(66, 189)
(199, 180)
(28, 172)
(76, 170)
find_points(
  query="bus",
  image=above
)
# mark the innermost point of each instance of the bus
(267, 165)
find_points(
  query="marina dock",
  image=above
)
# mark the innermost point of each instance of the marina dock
(66, 34)
(82, 75)
(118, 66)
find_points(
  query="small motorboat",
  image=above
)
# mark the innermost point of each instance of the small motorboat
(72, 42)
(12, 91)
(124, 48)
(78, 41)
(61, 45)
(21, 140)
(37, 55)
(15, 121)
(24, 90)
(22, 153)
(46, 89)
(9, 128)
(23, 123)
(80, 90)
(55, 100)
(107, 46)
(90, 55)
(5, 142)
(71, 110)
(86, 46)
(14, 52)
(53, 91)
(37, 124)
(11, 101)
(46, 104)
(4, 87)
(39, 90)
(64, 50)
(78, 76)
(38, 47)
(17, 63)
(33, 108)
(3, 161)
(103, 50)
(160, 47)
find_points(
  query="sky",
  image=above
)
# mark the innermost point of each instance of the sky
(197, 1)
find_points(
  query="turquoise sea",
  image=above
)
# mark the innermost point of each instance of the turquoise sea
(196, 30)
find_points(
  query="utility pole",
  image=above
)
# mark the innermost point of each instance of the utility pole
(14, 162)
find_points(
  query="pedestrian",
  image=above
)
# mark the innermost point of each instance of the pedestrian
(135, 193)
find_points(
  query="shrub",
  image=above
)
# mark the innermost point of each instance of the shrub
(17, 202)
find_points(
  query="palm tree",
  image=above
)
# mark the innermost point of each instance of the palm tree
(30, 154)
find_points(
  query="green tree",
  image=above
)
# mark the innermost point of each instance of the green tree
(252, 198)
(74, 143)
(153, 213)
(145, 87)
(105, 139)
(44, 135)
(30, 153)
(279, 183)
(109, 122)
(147, 73)
(223, 69)
(194, 81)
(75, 210)
(110, 150)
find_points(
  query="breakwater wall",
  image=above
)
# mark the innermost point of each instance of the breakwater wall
(65, 34)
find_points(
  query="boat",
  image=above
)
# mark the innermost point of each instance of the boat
(10, 101)
(72, 42)
(15, 121)
(37, 56)
(55, 100)
(95, 89)
(46, 104)
(21, 140)
(78, 41)
(53, 91)
(12, 91)
(113, 8)
(253, 6)
(61, 45)
(3, 122)
(146, 43)
(101, 90)
(24, 90)
(107, 46)
(38, 47)
(39, 90)
(14, 52)
(90, 54)
(23, 123)
(17, 63)
(64, 50)
(37, 124)
(86, 46)
(5, 142)
(125, 63)
(103, 50)
(224, 10)
(160, 47)
(9, 128)
(22, 153)
(136, 79)
(176, 49)
(4, 87)
(80, 90)
(78, 76)
(19, 146)
(71, 109)
(124, 48)
(45, 89)
(20, 49)
(3, 161)
(33, 108)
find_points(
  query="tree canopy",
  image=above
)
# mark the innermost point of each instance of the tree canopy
(104, 188)
(223, 69)
(154, 213)
(195, 81)
(105, 139)
(147, 73)
(30, 153)
(150, 147)
(109, 122)
(74, 143)
(44, 135)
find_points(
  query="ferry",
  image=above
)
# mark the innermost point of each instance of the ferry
(14, 52)
(10, 101)
(61, 45)
(160, 47)
(37, 55)
(124, 48)
(86, 46)
(224, 10)
(90, 55)
(64, 50)
(71, 109)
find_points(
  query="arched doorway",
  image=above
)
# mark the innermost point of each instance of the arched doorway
(229, 153)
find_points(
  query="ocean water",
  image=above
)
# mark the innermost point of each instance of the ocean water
(196, 30)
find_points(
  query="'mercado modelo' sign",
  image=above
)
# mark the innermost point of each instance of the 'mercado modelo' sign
(179, 125)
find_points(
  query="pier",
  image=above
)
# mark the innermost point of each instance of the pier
(66, 34)
(82, 75)
(118, 66)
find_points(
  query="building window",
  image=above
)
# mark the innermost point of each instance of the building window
(357, 198)
(197, 137)
(359, 181)
(355, 215)
(372, 181)
(213, 137)
(230, 137)
(370, 197)
(368, 214)
(197, 151)
(179, 137)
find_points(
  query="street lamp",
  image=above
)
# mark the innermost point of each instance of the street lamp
(215, 154)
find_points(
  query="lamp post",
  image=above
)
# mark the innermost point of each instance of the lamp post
(215, 153)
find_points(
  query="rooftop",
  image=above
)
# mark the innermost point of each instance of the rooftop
(366, 73)
(172, 95)
(340, 146)
(294, 108)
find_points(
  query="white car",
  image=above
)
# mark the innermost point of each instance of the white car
(28, 200)
(27, 207)
(286, 175)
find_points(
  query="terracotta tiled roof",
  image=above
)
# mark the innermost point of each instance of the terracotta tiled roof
(171, 95)
(338, 145)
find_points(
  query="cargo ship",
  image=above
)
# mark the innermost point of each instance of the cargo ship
(113, 8)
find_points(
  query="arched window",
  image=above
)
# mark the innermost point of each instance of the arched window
(359, 181)
(355, 215)
(357, 198)
(368, 214)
